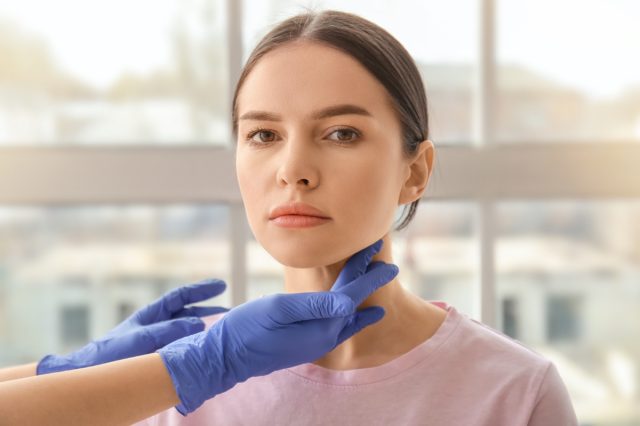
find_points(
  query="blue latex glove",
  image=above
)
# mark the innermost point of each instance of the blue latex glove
(275, 332)
(146, 330)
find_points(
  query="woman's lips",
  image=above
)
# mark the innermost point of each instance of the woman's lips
(299, 221)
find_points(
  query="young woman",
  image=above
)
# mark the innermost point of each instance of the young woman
(332, 135)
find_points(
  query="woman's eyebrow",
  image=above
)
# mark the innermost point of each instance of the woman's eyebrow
(331, 111)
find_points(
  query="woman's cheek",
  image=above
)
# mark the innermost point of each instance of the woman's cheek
(380, 201)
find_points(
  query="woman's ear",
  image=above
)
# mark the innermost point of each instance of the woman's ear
(418, 172)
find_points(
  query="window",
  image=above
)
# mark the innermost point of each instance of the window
(574, 266)
(99, 263)
(563, 318)
(438, 253)
(265, 273)
(124, 311)
(510, 315)
(74, 325)
(568, 82)
(530, 222)
(166, 84)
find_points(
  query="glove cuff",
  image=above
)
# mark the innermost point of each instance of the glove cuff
(197, 369)
(186, 388)
(188, 368)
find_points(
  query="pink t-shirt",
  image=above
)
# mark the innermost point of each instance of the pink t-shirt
(465, 374)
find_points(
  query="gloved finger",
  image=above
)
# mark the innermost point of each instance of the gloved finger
(200, 311)
(290, 308)
(173, 301)
(361, 319)
(165, 332)
(357, 265)
(377, 275)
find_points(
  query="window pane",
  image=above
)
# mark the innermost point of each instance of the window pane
(75, 325)
(69, 274)
(568, 71)
(118, 72)
(568, 281)
(445, 54)
(266, 275)
(438, 253)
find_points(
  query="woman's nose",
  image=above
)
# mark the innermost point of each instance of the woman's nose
(297, 166)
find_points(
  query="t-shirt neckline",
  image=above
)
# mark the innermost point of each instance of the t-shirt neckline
(389, 369)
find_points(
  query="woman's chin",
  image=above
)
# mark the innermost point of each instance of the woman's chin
(304, 257)
(312, 253)
(299, 260)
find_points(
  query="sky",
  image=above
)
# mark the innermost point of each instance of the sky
(585, 44)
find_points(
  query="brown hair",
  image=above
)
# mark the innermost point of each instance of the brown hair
(377, 50)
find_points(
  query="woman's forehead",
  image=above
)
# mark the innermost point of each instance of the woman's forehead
(308, 76)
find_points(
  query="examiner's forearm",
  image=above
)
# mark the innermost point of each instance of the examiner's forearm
(121, 392)
(18, 372)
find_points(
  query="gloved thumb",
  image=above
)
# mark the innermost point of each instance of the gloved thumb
(168, 331)
(361, 319)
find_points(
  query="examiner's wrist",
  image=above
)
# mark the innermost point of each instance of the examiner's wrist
(198, 368)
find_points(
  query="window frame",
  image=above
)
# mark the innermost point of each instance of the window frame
(68, 175)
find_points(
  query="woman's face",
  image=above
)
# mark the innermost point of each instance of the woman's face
(347, 162)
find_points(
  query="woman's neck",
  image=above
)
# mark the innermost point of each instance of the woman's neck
(408, 320)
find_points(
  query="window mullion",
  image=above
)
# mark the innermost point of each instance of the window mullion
(484, 135)
(238, 233)
(486, 296)
(239, 236)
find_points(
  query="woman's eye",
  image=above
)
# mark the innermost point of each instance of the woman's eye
(345, 135)
(262, 136)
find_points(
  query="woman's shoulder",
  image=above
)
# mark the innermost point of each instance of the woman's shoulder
(491, 349)
(480, 355)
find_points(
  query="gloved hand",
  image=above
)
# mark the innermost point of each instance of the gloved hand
(146, 330)
(275, 332)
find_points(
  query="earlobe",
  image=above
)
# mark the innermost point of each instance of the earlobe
(419, 172)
